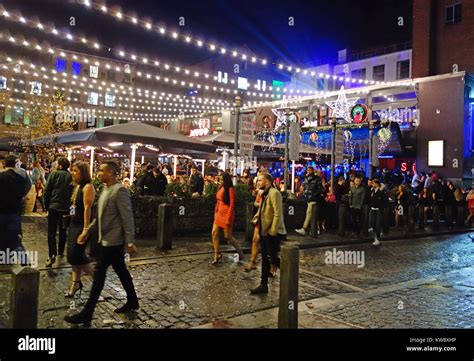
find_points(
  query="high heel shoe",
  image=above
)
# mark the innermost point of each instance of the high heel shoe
(77, 287)
(217, 259)
(250, 266)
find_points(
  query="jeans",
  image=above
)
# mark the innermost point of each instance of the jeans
(307, 220)
(55, 221)
(269, 247)
(376, 219)
(356, 219)
(115, 257)
(10, 232)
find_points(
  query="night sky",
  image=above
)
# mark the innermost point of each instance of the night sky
(320, 27)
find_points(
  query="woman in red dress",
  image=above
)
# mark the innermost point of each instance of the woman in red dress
(224, 216)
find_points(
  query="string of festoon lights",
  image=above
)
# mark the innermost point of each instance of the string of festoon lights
(146, 60)
(195, 41)
(111, 86)
(101, 84)
(20, 41)
(80, 111)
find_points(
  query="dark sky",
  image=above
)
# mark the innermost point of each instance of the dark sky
(320, 27)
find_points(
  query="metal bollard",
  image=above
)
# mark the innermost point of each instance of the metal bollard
(421, 217)
(449, 215)
(387, 218)
(314, 220)
(411, 218)
(436, 217)
(24, 298)
(289, 275)
(461, 217)
(165, 226)
(341, 230)
(365, 220)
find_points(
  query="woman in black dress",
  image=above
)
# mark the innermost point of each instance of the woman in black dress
(82, 200)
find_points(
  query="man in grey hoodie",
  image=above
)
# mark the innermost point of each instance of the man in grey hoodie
(356, 202)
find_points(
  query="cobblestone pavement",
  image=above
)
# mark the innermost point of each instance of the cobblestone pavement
(186, 291)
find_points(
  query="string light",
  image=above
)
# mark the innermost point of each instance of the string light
(200, 43)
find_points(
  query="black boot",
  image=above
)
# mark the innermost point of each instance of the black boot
(262, 289)
(83, 317)
(128, 307)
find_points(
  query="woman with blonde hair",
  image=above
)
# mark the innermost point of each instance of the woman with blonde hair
(82, 201)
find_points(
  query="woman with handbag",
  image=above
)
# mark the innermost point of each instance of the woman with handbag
(80, 214)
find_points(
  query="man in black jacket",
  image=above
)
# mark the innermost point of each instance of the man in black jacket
(160, 182)
(146, 181)
(378, 202)
(312, 192)
(57, 201)
(196, 181)
(12, 191)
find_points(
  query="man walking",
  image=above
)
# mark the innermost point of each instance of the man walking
(378, 201)
(12, 191)
(356, 202)
(57, 201)
(312, 192)
(271, 227)
(114, 224)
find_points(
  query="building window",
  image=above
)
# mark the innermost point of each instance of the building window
(111, 75)
(60, 65)
(358, 73)
(108, 122)
(110, 99)
(403, 69)
(320, 84)
(19, 88)
(3, 83)
(453, 14)
(126, 78)
(123, 121)
(379, 73)
(93, 98)
(94, 71)
(36, 87)
(18, 114)
(76, 68)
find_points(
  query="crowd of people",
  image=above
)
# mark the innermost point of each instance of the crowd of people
(80, 212)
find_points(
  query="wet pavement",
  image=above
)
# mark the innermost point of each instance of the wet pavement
(425, 282)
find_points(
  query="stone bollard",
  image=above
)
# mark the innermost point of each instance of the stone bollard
(249, 227)
(449, 215)
(411, 218)
(165, 226)
(421, 217)
(365, 220)
(289, 275)
(341, 219)
(314, 220)
(436, 217)
(24, 298)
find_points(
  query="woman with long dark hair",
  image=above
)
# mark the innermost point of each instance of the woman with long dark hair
(224, 216)
(81, 213)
